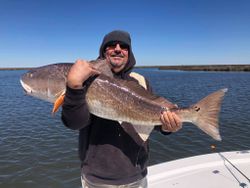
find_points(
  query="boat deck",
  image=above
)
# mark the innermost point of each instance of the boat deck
(216, 170)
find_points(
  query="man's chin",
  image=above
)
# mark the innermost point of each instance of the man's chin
(116, 64)
(117, 67)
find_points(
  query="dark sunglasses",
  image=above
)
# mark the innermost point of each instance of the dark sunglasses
(112, 45)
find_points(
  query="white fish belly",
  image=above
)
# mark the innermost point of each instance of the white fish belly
(100, 109)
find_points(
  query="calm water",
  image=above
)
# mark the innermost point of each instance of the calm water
(36, 150)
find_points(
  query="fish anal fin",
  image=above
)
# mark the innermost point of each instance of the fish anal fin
(143, 131)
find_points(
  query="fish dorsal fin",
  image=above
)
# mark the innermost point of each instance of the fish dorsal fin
(139, 78)
(102, 66)
(165, 103)
(140, 89)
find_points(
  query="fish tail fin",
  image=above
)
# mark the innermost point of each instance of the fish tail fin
(205, 113)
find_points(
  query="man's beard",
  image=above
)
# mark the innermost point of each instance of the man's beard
(113, 63)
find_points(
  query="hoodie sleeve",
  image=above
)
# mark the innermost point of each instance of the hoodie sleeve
(75, 113)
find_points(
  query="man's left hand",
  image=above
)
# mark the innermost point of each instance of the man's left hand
(170, 122)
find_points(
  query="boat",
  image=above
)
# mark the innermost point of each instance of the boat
(215, 170)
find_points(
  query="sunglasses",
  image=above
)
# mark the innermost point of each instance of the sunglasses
(112, 45)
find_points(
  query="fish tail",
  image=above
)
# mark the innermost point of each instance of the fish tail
(205, 113)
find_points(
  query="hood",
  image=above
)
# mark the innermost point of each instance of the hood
(122, 36)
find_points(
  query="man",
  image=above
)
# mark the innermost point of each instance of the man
(111, 152)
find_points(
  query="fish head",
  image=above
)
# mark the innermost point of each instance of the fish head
(44, 83)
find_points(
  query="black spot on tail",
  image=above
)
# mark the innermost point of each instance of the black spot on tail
(197, 109)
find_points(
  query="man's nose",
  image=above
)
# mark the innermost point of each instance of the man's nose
(118, 47)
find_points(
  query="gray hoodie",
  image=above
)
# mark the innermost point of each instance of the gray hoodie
(110, 152)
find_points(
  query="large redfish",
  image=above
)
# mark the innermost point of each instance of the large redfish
(122, 100)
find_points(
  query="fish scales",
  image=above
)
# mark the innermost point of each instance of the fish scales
(126, 105)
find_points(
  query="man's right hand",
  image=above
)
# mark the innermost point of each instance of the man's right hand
(79, 73)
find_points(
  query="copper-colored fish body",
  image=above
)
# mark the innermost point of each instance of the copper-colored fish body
(122, 100)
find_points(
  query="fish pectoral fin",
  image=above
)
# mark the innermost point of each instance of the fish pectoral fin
(143, 131)
(58, 103)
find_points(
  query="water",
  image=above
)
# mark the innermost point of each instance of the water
(36, 150)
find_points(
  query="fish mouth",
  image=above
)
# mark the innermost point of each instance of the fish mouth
(26, 88)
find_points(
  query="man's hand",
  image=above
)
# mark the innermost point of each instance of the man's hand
(79, 73)
(170, 122)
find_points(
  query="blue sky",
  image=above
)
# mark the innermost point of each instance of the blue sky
(174, 32)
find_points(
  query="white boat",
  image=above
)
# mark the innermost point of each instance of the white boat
(216, 170)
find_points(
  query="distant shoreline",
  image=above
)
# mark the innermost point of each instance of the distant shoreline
(16, 68)
(242, 67)
(245, 68)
